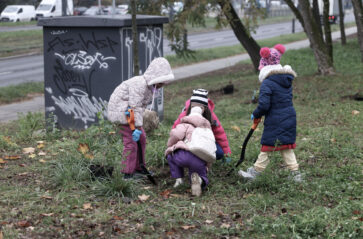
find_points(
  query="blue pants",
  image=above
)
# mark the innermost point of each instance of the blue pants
(219, 152)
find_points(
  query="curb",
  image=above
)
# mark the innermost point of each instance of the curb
(19, 56)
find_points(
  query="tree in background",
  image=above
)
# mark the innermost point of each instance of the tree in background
(135, 41)
(322, 49)
(327, 29)
(358, 13)
(341, 22)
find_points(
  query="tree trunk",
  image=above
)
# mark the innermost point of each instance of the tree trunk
(134, 39)
(358, 13)
(325, 64)
(316, 13)
(296, 12)
(247, 41)
(327, 29)
(341, 23)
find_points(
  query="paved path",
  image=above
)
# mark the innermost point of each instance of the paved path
(10, 112)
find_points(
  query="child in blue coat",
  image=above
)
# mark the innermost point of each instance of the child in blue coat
(275, 103)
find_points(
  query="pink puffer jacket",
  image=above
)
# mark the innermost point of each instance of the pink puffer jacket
(182, 133)
(217, 128)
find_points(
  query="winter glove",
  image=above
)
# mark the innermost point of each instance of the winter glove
(136, 135)
(252, 117)
(127, 113)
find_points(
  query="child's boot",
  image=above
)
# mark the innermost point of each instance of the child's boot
(250, 174)
(178, 182)
(196, 185)
(296, 176)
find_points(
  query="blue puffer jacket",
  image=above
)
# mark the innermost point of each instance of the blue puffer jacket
(275, 103)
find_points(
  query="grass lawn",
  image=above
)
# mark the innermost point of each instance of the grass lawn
(50, 192)
(20, 92)
(21, 42)
(14, 24)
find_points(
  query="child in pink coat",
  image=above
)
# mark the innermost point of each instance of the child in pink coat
(223, 149)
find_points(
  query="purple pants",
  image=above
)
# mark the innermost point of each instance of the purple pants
(130, 154)
(181, 159)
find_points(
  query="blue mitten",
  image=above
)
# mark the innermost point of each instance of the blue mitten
(136, 135)
(252, 117)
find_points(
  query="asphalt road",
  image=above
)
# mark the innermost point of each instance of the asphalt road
(30, 68)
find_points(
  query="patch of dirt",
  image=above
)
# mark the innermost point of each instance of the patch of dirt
(358, 97)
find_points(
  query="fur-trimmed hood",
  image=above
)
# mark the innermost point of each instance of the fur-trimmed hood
(275, 69)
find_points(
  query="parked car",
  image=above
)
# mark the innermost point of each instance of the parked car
(53, 8)
(93, 11)
(123, 9)
(16, 13)
(78, 11)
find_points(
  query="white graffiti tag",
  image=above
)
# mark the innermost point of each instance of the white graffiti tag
(82, 60)
(81, 106)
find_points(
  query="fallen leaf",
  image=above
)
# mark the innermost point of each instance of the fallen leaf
(355, 112)
(29, 150)
(111, 132)
(31, 228)
(166, 194)
(41, 153)
(101, 234)
(2, 161)
(236, 128)
(175, 195)
(42, 161)
(83, 148)
(186, 227)
(118, 218)
(143, 197)
(146, 188)
(32, 156)
(87, 206)
(208, 221)
(23, 224)
(40, 146)
(356, 212)
(225, 225)
(47, 197)
(23, 174)
(12, 157)
(47, 214)
(88, 156)
(22, 165)
(333, 140)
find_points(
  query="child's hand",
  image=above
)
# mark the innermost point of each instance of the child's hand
(136, 135)
(252, 117)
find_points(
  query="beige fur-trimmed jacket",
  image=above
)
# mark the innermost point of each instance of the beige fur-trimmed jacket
(136, 92)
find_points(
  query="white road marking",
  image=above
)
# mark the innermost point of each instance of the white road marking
(5, 73)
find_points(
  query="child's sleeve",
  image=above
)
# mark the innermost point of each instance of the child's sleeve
(177, 134)
(263, 101)
(220, 134)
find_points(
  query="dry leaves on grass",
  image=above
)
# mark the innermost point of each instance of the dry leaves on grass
(23, 224)
(47, 197)
(236, 128)
(143, 197)
(2, 161)
(355, 112)
(42, 161)
(166, 194)
(208, 221)
(187, 227)
(40, 144)
(28, 150)
(225, 225)
(87, 206)
(83, 148)
(41, 153)
(12, 157)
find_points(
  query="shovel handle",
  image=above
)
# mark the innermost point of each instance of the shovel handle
(255, 123)
(131, 119)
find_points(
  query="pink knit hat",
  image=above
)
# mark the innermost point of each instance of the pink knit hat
(271, 56)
